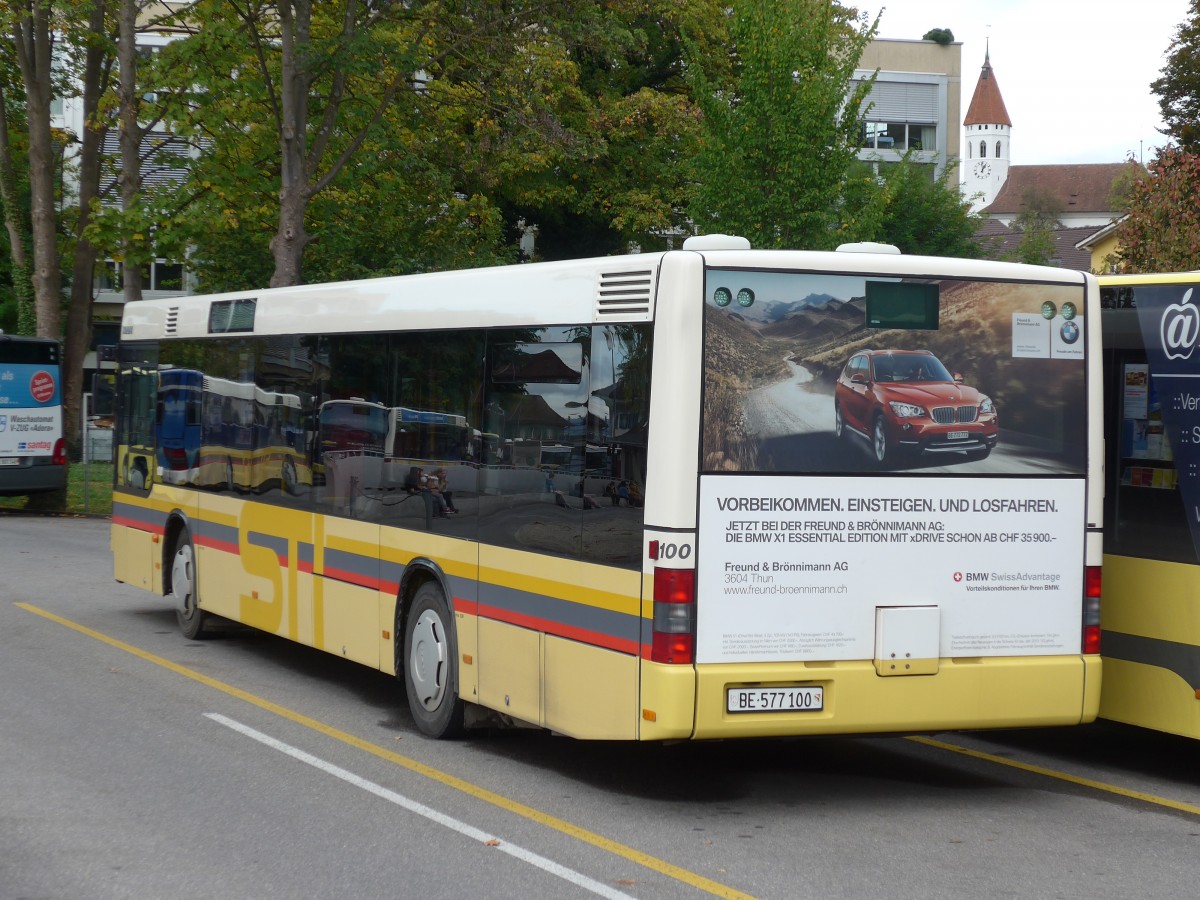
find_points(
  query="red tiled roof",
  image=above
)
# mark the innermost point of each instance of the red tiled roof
(987, 106)
(1000, 241)
(1080, 187)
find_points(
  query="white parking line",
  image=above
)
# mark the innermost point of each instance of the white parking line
(420, 809)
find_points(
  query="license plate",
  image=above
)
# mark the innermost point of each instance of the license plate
(10, 460)
(775, 699)
(958, 435)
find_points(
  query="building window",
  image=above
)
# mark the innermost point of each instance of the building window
(899, 136)
(160, 275)
(982, 149)
(997, 149)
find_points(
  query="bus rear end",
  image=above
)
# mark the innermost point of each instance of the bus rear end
(895, 525)
(33, 453)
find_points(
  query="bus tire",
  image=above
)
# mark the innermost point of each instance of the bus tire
(188, 613)
(288, 481)
(431, 664)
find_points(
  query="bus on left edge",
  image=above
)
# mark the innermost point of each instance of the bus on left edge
(33, 453)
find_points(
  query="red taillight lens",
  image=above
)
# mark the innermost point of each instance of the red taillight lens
(674, 585)
(674, 638)
(675, 649)
(1091, 610)
(59, 458)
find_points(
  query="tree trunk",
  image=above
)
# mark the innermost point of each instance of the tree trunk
(78, 337)
(33, 44)
(18, 236)
(130, 176)
(287, 246)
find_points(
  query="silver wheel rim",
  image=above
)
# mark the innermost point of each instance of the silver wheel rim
(880, 441)
(181, 581)
(837, 421)
(427, 660)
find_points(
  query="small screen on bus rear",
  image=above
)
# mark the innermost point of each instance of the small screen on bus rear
(902, 304)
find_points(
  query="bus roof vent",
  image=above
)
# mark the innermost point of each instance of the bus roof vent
(624, 293)
(716, 242)
(868, 247)
(172, 322)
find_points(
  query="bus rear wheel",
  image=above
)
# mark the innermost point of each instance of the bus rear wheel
(430, 664)
(190, 616)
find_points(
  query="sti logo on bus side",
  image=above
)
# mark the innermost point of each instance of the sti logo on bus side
(1180, 327)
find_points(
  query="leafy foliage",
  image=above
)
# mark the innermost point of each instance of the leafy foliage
(1037, 222)
(1178, 87)
(782, 125)
(1162, 230)
(926, 213)
(941, 36)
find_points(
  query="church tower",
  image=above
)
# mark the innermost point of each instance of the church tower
(988, 132)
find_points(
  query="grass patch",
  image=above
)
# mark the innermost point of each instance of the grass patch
(89, 491)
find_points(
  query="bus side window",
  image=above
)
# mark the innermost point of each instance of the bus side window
(617, 425)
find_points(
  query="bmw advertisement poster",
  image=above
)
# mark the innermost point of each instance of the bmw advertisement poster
(832, 399)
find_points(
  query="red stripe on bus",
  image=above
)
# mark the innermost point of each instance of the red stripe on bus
(557, 628)
(213, 544)
(352, 578)
(467, 607)
(137, 525)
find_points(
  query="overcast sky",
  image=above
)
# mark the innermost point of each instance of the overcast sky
(1075, 76)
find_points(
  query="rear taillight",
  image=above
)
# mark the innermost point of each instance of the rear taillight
(60, 453)
(674, 639)
(176, 457)
(1091, 610)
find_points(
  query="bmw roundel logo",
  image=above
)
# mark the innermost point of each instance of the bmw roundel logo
(1069, 332)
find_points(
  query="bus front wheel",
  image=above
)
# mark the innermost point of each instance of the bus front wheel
(183, 588)
(431, 664)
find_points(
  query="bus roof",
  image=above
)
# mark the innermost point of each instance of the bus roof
(599, 290)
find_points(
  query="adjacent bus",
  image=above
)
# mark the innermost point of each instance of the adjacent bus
(217, 431)
(33, 452)
(1151, 621)
(806, 493)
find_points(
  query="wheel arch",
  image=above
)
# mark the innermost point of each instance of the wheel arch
(419, 571)
(177, 522)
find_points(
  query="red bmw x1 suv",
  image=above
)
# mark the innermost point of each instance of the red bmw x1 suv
(906, 403)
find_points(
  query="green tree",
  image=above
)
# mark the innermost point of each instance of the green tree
(295, 97)
(17, 314)
(941, 36)
(1037, 223)
(926, 213)
(782, 124)
(1161, 232)
(1178, 87)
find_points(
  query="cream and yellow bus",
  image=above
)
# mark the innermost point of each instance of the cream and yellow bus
(842, 492)
(1151, 621)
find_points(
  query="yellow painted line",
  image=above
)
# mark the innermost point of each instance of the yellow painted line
(1061, 776)
(561, 825)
